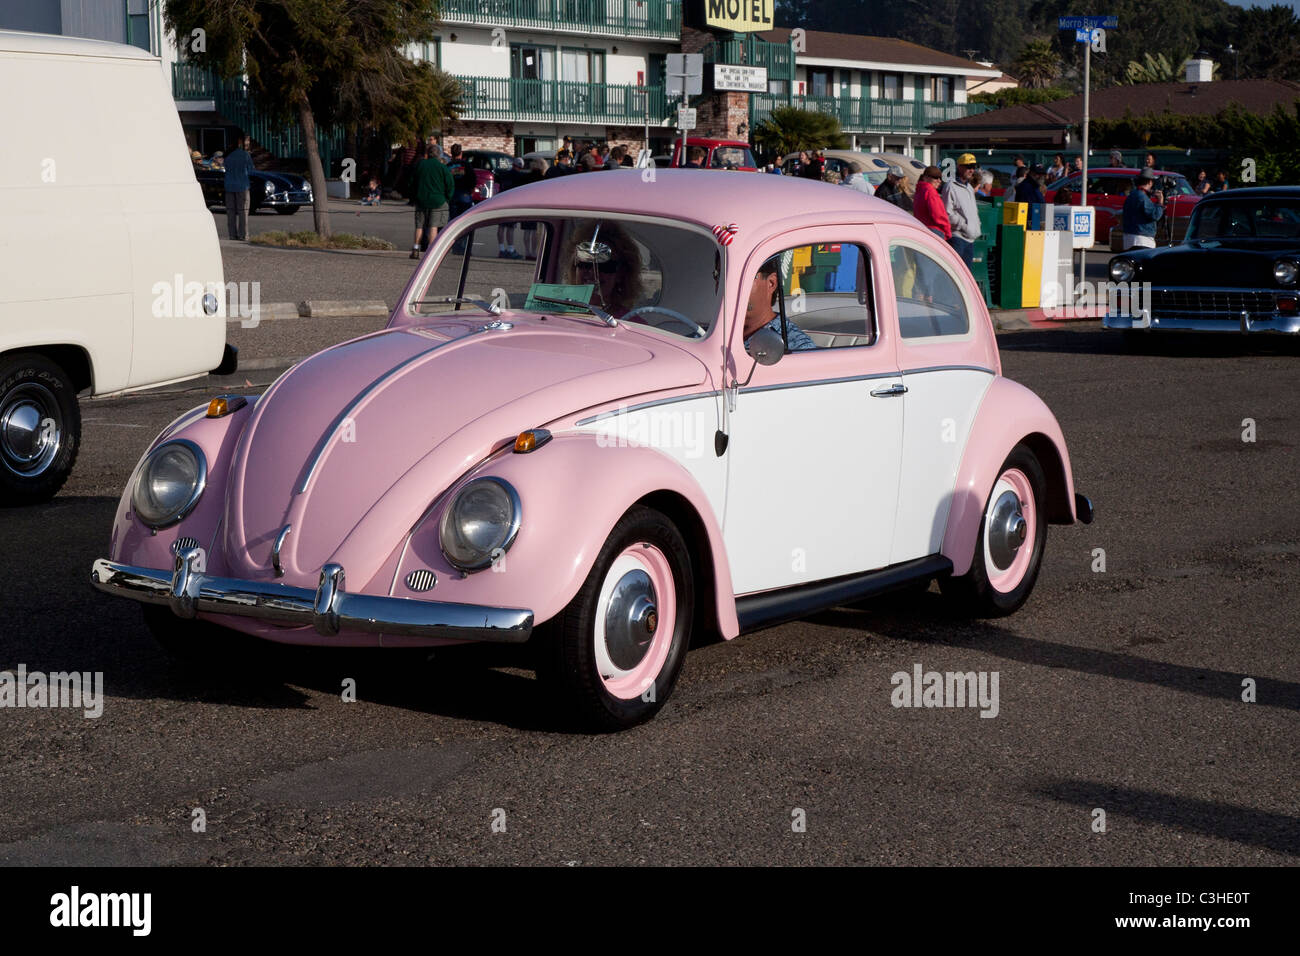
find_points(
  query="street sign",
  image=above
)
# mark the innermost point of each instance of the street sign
(748, 79)
(1087, 23)
(1082, 36)
(684, 74)
(686, 117)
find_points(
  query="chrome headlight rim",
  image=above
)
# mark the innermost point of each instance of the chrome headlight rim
(512, 529)
(1122, 269)
(201, 482)
(1286, 271)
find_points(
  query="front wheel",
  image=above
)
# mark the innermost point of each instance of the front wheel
(614, 653)
(40, 428)
(1009, 548)
(287, 210)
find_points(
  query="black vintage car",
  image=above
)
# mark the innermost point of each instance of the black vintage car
(1236, 270)
(283, 192)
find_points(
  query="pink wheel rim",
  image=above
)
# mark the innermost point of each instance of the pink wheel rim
(636, 613)
(1007, 554)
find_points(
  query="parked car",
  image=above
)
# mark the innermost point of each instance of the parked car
(874, 165)
(1109, 187)
(596, 460)
(1236, 270)
(286, 193)
(718, 154)
(112, 270)
(486, 163)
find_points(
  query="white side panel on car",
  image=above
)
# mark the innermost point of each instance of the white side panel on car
(938, 412)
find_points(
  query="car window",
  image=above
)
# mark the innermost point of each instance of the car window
(1263, 219)
(826, 294)
(724, 156)
(929, 300)
(656, 274)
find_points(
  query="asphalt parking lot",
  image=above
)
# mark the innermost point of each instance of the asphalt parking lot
(1120, 689)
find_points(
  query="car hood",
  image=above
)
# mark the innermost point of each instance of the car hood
(352, 445)
(1220, 263)
(282, 180)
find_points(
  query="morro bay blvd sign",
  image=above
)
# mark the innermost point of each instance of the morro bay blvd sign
(747, 79)
(738, 16)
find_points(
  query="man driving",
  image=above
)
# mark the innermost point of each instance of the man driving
(759, 311)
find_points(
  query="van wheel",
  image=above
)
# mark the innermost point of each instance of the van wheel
(1009, 548)
(614, 653)
(40, 428)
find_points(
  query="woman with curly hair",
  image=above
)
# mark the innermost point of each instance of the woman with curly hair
(603, 254)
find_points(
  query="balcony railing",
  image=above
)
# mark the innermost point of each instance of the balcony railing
(749, 50)
(510, 98)
(233, 100)
(660, 19)
(869, 115)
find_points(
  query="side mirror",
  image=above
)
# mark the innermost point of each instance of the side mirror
(766, 346)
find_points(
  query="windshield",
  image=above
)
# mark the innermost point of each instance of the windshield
(1245, 219)
(726, 157)
(654, 273)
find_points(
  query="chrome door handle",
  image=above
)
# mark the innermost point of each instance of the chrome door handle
(886, 392)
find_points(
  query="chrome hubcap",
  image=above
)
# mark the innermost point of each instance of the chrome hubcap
(1007, 529)
(31, 430)
(631, 619)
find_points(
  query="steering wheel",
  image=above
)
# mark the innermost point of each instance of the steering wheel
(675, 316)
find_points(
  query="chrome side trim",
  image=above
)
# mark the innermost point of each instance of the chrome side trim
(949, 368)
(330, 609)
(352, 406)
(819, 381)
(640, 405)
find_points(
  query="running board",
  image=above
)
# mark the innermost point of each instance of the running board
(769, 608)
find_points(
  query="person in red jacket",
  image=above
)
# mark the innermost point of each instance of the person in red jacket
(928, 206)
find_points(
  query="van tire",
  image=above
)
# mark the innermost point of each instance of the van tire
(40, 428)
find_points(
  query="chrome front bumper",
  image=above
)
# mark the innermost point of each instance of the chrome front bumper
(1246, 322)
(329, 609)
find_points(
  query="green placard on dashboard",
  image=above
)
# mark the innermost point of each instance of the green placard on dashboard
(579, 293)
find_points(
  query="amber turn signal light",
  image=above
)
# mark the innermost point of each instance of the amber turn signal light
(225, 404)
(531, 440)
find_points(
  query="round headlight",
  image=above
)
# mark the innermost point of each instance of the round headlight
(268, 187)
(169, 484)
(480, 524)
(1285, 271)
(1122, 270)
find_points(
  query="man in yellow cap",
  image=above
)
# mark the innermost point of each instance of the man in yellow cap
(959, 200)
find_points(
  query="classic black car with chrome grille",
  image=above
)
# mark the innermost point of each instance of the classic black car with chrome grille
(1237, 269)
(283, 192)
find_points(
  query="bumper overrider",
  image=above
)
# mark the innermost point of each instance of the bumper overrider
(187, 590)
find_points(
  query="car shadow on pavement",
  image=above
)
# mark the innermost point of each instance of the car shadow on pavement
(926, 618)
(1259, 828)
(1165, 345)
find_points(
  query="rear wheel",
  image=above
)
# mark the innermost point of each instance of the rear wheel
(1009, 548)
(615, 652)
(40, 428)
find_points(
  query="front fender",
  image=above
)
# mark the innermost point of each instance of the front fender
(572, 492)
(1010, 414)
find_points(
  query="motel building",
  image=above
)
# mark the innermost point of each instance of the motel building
(534, 71)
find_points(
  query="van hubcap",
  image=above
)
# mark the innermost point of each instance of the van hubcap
(31, 429)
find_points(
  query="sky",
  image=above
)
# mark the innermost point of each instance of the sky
(1293, 4)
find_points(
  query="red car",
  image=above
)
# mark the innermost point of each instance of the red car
(718, 154)
(1107, 189)
(486, 163)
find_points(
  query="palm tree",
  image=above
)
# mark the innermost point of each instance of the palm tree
(789, 129)
(1038, 64)
(1158, 69)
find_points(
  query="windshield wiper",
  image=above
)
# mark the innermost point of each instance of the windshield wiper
(587, 306)
(442, 300)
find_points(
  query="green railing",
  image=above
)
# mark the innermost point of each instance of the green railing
(633, 18)
(749, 50)
(869, 115)
(233, 101)
(510, 98)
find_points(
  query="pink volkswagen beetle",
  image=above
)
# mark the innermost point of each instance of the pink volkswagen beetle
(699, 405)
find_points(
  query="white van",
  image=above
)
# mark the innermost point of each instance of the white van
(110, 267)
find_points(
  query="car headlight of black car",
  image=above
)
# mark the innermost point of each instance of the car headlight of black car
(480, 524)
(169, 483)
(1285, 271)
(268, 187)
(1122, 270)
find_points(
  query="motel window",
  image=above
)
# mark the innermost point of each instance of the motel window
(891, 86)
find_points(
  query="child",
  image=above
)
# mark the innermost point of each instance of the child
(372, 197)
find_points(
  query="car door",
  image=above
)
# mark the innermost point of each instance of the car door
(813, 441)
(947, 360)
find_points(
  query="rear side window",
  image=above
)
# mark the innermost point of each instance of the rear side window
(929, 300)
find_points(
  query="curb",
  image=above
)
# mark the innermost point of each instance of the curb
(316, 308)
